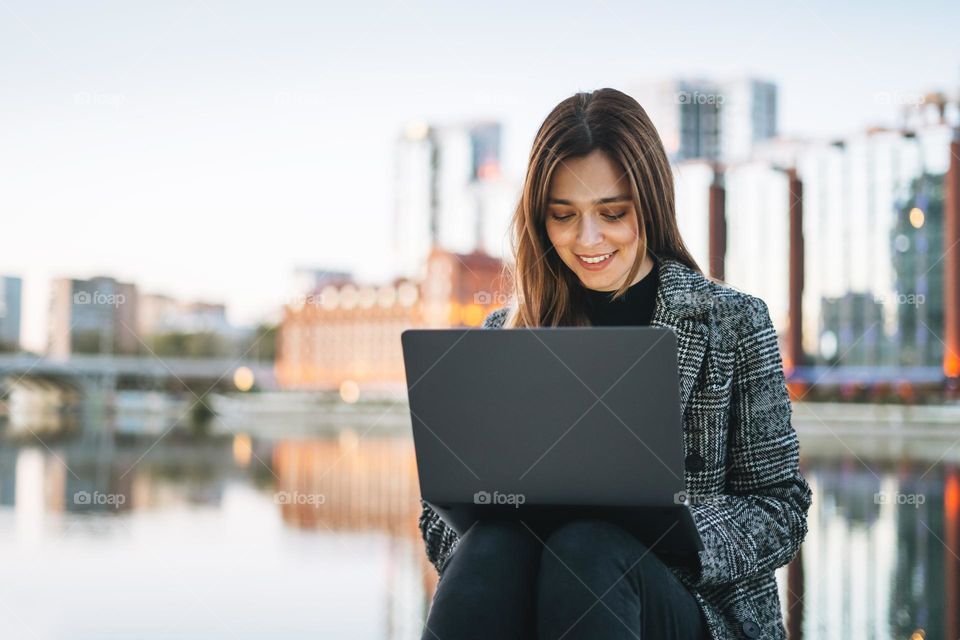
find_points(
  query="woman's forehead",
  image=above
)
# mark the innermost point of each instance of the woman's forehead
(588, 179)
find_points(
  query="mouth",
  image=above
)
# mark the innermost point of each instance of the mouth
(596, 261)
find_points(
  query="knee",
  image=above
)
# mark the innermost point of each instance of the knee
(495, 538)
(590, 544)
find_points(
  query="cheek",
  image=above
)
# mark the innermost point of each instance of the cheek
(558, 236)
(625, 238)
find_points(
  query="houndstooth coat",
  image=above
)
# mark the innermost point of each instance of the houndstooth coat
(749, 500)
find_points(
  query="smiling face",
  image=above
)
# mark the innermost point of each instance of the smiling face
(592, 223)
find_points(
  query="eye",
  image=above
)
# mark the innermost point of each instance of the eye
(612, 217)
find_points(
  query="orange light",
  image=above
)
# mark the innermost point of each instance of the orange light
(349, 391)
(951, 497)
(242, 449)
(243, 378)
(916, 217)
(472, 315)
(951, 364)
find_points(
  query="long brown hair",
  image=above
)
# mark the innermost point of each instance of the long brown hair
(546, 291)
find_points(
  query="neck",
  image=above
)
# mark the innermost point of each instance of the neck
(646, 266)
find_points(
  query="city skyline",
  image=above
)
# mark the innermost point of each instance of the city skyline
(117, 165)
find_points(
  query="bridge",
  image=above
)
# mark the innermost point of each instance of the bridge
(81, 369)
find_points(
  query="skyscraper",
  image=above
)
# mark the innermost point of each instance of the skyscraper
(748, 115)
(708, 119)
(873, 217)
(98, 315)
(446, 180)
(10, 301)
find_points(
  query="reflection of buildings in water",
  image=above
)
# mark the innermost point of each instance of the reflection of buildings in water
(77, 480)
(355, 484)
(8, 477)
(951, 539)
(152, 488)
(38, 406)
(918, 595)
(848, 555)
(99, 488)
(408, 588)
(873, 558)
(348, 484)
(41, 484)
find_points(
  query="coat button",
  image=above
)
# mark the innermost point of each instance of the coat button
(694, 462)
(751, 629)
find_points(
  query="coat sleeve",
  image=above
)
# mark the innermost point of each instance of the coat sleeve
(438, 538)
(760, 521)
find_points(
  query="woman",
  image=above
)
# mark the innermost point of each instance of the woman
(596, 243)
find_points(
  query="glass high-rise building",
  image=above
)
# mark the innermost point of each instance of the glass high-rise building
(872, 240)
(449, 192)
(873, 229)
(10, 302)
(710, 119)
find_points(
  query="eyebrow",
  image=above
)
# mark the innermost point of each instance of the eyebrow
(600, 201)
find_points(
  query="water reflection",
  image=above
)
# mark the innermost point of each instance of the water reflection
(882, 551)
(249, 538)
(341, 485)
(194, 541)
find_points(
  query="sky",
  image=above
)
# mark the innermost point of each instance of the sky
(205, 149)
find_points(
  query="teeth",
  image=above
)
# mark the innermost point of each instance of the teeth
(595, 260)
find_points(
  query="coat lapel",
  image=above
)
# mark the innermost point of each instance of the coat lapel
(683, 304)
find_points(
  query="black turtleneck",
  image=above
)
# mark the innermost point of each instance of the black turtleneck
(635, 308)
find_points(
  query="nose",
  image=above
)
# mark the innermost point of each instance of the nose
(589, 232)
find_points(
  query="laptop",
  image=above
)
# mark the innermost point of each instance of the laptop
(546, 425)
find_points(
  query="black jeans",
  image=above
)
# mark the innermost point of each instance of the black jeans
(587, 579)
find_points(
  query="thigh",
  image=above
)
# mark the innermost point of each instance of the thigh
(490, 546)
(598, 579)
(668, 609)
(487, 587)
